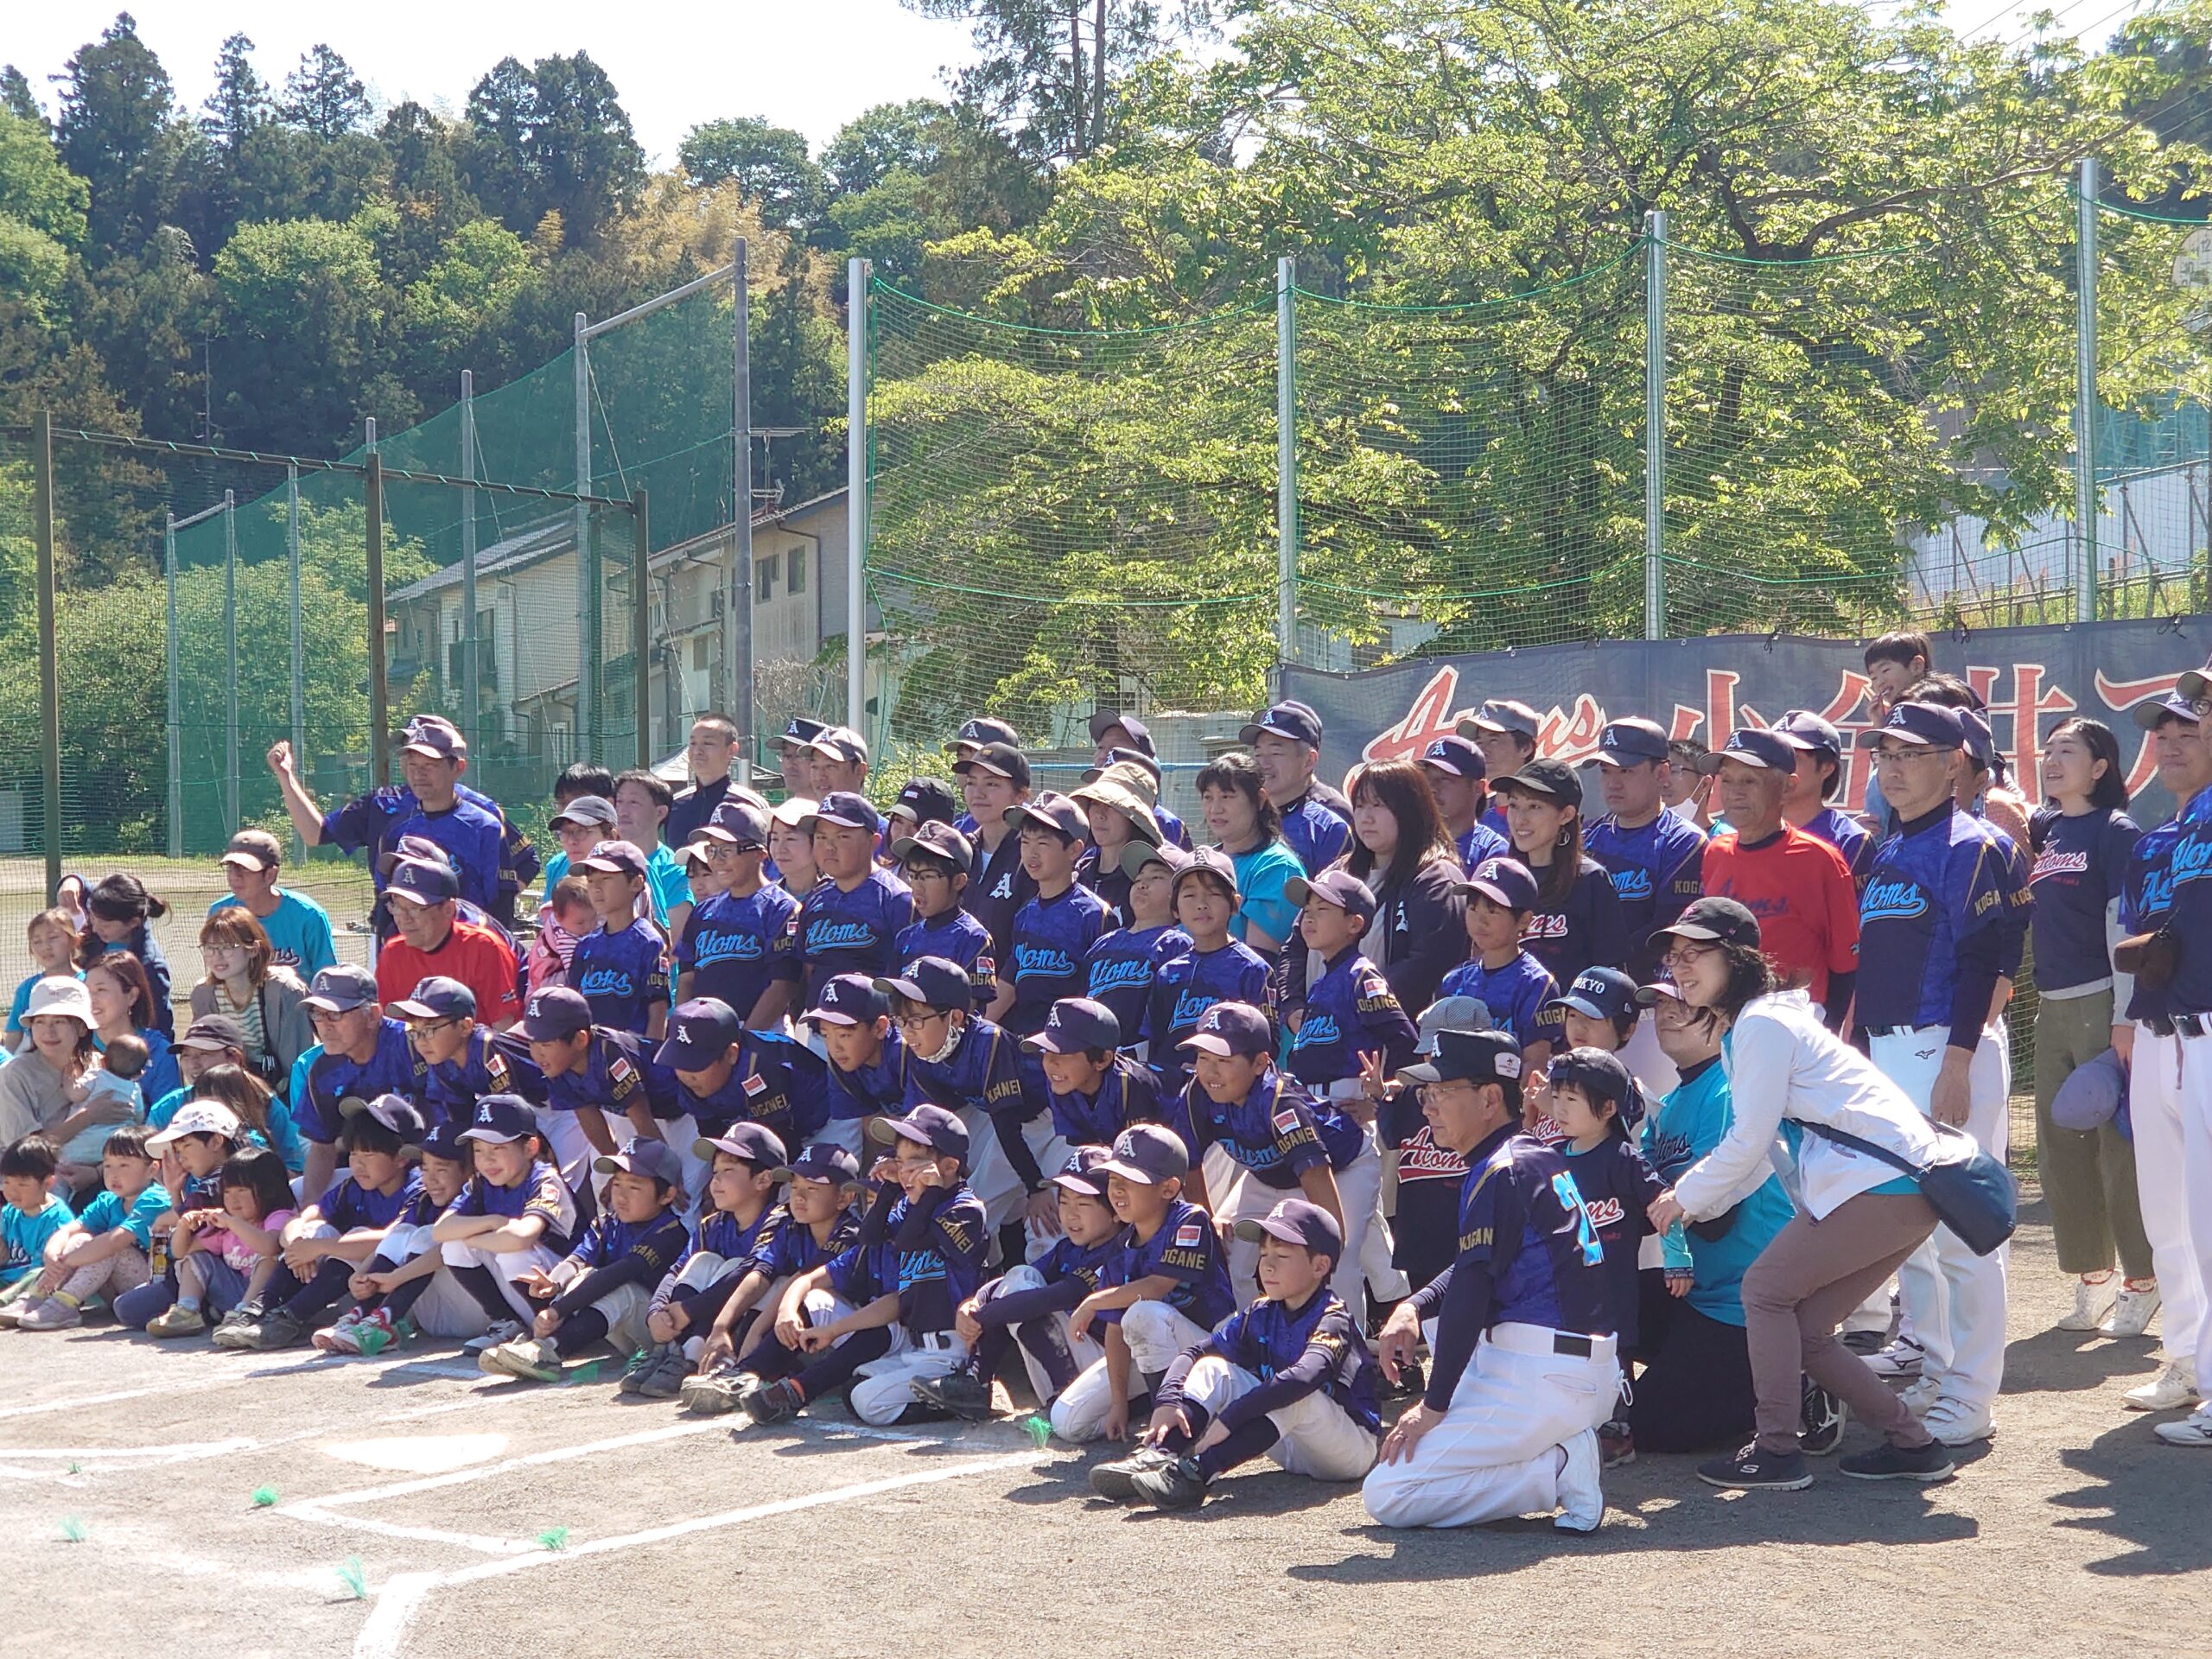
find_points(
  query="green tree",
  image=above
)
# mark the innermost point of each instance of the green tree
(323, 98)
(120, 132)
(912, 134)
(16, 97)
(304, 307)
(769, 164)
(552, 139)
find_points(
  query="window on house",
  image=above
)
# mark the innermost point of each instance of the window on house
(764, 579)
(699, 643)
(797, 583)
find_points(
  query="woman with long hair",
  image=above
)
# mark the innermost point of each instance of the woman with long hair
(121, 914)
(122, 1004)
(1245, 824)
(1401, 849)
(1578, 921)
(245, 980)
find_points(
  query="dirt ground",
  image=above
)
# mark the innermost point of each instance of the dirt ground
(220, 1502)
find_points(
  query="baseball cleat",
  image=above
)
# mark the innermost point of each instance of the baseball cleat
(1117, 1480)
(963, 1394)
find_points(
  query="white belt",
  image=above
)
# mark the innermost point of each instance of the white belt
(1544, 1342)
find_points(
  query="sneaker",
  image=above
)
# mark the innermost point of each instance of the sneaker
(2093, 1300)
(1820, 1423)
(175, 1322)
(717, 1393)
(374, 1332)
(1890, 1461)
(963, 1393)
(339, 1338)
(279, 1328)
(52, 1314)
(779, 1403)
(1956, 1424)
(236, 1331)
(532, 1358)
(1919, 1398)
(1616, 1445)
(2130, 1315)
(1581, 1498)
(1117, 1480)
(642, 1365)
(1172, 1484)
(1754, 1467)
(502, 1331)
(665, 1381)
(2173, 1389)
(1902, 1358)
(11, 1313)
(2195, 1429)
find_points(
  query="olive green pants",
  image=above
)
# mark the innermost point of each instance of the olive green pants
(2089, 1175)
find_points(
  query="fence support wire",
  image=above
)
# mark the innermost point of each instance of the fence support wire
(1655, 425)
(49, 647)
(1286, 458)
(857, 280)
(2085, 399)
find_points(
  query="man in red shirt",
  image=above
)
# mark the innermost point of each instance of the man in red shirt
(431, 939)
(1796, 884)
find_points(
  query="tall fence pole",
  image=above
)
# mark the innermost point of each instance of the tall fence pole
(641, 623)
(231, 661)
(2085, 393)
(468, 641)
(299, 631)
(1655, 425)
(379, 687)
(1285, 460)
(176, 714)
(856, 319)
(588, 642)
(737, 606)
(49, 647)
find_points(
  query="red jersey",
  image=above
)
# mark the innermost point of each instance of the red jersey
(479, 957)
(1802, 891)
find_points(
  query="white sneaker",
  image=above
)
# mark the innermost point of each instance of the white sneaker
(1900, 1359)
(1581, 1496)
(2195, 1429)
(2130, 1315)
(2172, 1389)
(502, 1331)
(1920, 1397)
(2091, 1303)
(1956, 1424)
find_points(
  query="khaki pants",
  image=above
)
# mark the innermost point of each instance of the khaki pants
(2089, 1175)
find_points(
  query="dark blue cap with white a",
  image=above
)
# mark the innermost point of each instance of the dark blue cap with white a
(396, 1112)
(933, 1127)
(1084, 1171)
(1470, 1056)
(739, 822)
(1625, 743)
(501, 1117)
(1148, 1155)
(700, 1033)
(1140, 735)
(1295, 720)
(436, 998)
(555, 1013)
(1077, 1025)
(932, 982)
(425, 882)
(1296, 1221)
(823, 1161)
(841, 809)
(654, 1160)
(1753, 746)
(755, 1143)
(980, 732)
(800, 729)
(443, 1140)
(924, 801)
(1339, 887)
(1600, 993)
(1457, 755)
(1803, 729)
(1924, 725)
(848, 1000)
(1504, 881)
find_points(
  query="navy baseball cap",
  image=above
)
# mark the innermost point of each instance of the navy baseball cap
(933, 1127)
(1600, 993)
(1084, 1171)
(419, 849)
(1051, 810)
(1470, 1056)
(848, 1000)
(1000, 761)
(342, 987)
(501, 1117)
(981, 733)
(1605, 1079)
(936, 838)
(1754, 746)
(212, 1033)
(801, 730)
(934, 982)
(655, 1160)
(1625, 743)
(1504, 714)
(755, 1143)
(741, 824)
(1206, 860)
(614, 858)
(844, 809)
(926, 800)
(2175, 705)
(1148, 1154)
(1295, 720)
(1713, 920)
(424, 882)
(435, 736)
(1553, 779)
(823, 1161)
(700, 1033)
(1140, 735)
(841, 743)
(1231, 1029)
(1299, 1221)
(586, 812)
(396, 1112)
(2090, 1096)
(1339, 887)
(437, 998)
(1925, 725)
(1504, 881)
(442, 1140)
(1138, 853)
(1076, 1025)
(1981, 744)
(1148, 765)
(555, 1013)
(1803, 729)
(1457, 755)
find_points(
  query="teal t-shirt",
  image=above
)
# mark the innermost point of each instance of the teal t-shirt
(1261, 874)
(24, 1236)
(1689, 1123)
(107, 1212)
(665, 879)
(299, 928)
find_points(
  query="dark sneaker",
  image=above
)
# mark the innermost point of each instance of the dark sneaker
(1615, 1445)
(666, 1380)
(1177, 1486)
(963, 1394)
(1755, 1468)
(1890, 1461)
(1820, 1424)
(279, 1328)
(643, 1365)
(1118, 1480)
(779, 1403)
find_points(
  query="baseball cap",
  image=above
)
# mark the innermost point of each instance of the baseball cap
(695, 858)
(823, 1161)
(1231, 1029)
(198, 1117)
(1600, 993)
(1504, 714)
(926, 800)
(210, 1033)
(1506, 881)
(933, 982)
(613, 858)
(933, 1127)
(425, 883)
(1457, 755)
(1339, 887)
(437, 998)
(1754, 746)
(2176, 704)
(655, 1160)
(2090, 1096)
(501, 1117)
(396, 1112)
(1803, 729)
(442, 1140)
(419, 849)
(1624, 742)
(1470, 1056)
(1206, 860)
(1140, 735)
(1131, 766)
(1084, 1171)
(1138, 853)
(792, 811)
(586, 812)
(1449, 1014)
(1649, 995)
(800, 729)
(1295, 720)
(1051, 811)
(841, 743)
(342, 987)
(939, 839)
(844, 809)
(848, 1000)
(1604, 1078)
(435, 736)
(1296, 1221)
(2194, 683)
(253, 849)
(982, 732)
(1554, 779)
(1148, 1154)
(1116, 793)
(999, 760)
(700, 1033)
(1981, 744)
(554, 1013)
(1077, 1024)
(64, 995)
(756, 1143)
(741, 823)
(1715, 921)
(1925, 725)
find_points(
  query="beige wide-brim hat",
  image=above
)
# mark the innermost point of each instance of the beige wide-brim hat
(1110, 791)
(59, 993)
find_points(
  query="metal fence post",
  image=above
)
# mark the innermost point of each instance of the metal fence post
(641, 622)
(1287, 460)
(49, 647)
(2085, 393)
(469, 670)
(1655, 425)
(176, 716)
(737, 607)
(588, 643)
(299, 633)
(857, 318)
(380, 688)
(231, 661)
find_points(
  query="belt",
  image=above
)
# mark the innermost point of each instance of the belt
(1891, 1031)
(2159, 1025)
(2193, 1025)
(1515, 1337)
(941, 1340)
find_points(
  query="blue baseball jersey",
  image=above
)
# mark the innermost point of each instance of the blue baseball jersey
(879, 1086)
(721, 1233)
(1127, 1095)
(1182, 991)
(1071, 1272)
(852, 933)
(494, 1063)
(618, 1071)
(1172, 830)
(1294, 1351)
(2146, 905)
(1187, 1250)
(1617, 1184)
(789, 1248)
(1051, 942)
(393, 1068)
(351, 1207)
(299, 931)
(471, 836)
(1848, 837)
(375, 821)
(1479, 842)
(2019, 902)
(2189, 868)
(932, 1257)
(1122, 966)
(958, 937)
(1514, 994)
(1350, 1010)
(642, 1251)
(1318, 831)
(621, 974)
(997, 889)
(1657, 868)
(540, 1193)
(1274, 1135)
(735, 948)
(776, 1082)
(984, 1074)
(1929, 891)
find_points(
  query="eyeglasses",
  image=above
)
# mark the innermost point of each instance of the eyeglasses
(914, 1017)
(1898, 753)
(1686, 953)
